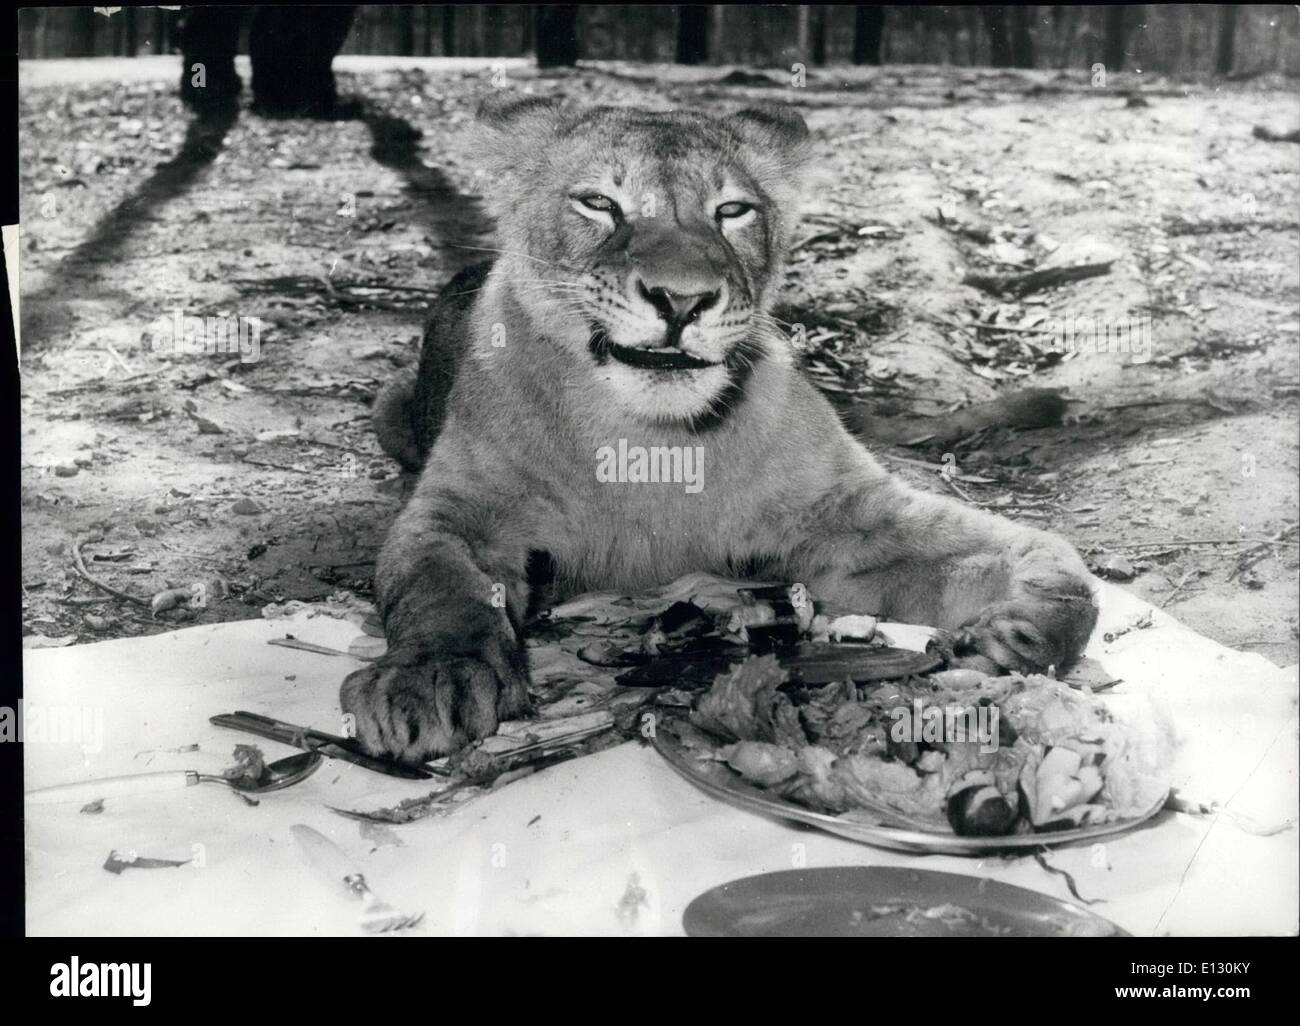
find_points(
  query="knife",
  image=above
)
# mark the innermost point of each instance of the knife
(808, 664)
(312, 740)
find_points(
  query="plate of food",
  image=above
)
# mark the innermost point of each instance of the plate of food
(954, 762)
(884, 901)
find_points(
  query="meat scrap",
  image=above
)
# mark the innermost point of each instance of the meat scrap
(745, 705)
(954, 750)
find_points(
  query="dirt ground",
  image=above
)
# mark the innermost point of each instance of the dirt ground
(1176, 465)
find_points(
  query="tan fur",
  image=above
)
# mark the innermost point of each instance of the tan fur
(514, 468)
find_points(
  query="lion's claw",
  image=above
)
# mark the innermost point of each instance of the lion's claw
(415, 710)
(1026, 636)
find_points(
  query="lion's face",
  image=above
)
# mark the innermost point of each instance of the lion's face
(649, 243)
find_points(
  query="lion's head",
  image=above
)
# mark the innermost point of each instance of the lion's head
(650, 244)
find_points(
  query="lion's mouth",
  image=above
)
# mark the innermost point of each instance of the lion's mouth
(662, 358)
(657, 359)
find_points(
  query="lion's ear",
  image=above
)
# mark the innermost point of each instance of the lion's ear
(507, 112)
(773, 125)
(779, 137)
(509, 131)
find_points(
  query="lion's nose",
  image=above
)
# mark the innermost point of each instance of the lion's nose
(677, 308)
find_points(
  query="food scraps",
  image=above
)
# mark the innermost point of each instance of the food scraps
(249, 766)
(119, 860)
(955, 751)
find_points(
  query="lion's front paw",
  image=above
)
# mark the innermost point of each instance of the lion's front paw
(415, 710)
(1026, 635)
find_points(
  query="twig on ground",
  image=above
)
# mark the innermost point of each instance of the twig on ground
(819, 237)
(1182, 582)
(948, 480)
(307, 440)
(1033, 281)
(80, 567)
(1198, 401)
(984, 326)
(1261, 550)
(99, 383)
(939, 468)
(1175, 543)
(277, 466)
(118, 358)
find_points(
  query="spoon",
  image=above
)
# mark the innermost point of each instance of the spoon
(275, 775)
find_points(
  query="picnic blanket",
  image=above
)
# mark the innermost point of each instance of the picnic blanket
(614, 843)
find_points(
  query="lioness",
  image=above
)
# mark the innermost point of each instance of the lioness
(640, 253)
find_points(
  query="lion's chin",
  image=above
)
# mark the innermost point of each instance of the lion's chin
(657, 395)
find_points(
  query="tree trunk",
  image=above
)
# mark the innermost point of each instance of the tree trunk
(639, 26)
(406, 31)
(717, 32)
(557, 36)
(803, 35)
(1116, 37)
(819, 35)
(448, 30)
(1064, 21)
(1022, 40)
(950, 28)
(971, 20)
(426, 31)
(41, 27)
(1227, 39)
(995, 23)
(868, 34)
(476, 19)
(1275, 49)
(492, 31)
(1191, 45)
(365, 32)
(528, 32)
(692, 34)
(132, 41)
(81, 42)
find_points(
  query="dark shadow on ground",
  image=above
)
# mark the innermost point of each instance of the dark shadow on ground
(45, 313)
(456, 218)
(204, 139)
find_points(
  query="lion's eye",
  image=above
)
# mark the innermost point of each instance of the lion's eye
(733, 210)
(601, 204)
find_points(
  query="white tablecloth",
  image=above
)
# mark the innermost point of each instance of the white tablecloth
(615, 843)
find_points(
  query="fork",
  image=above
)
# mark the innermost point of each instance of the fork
(377, 916)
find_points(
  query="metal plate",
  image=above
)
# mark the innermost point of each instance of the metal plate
(880, 826)
(884, 901)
